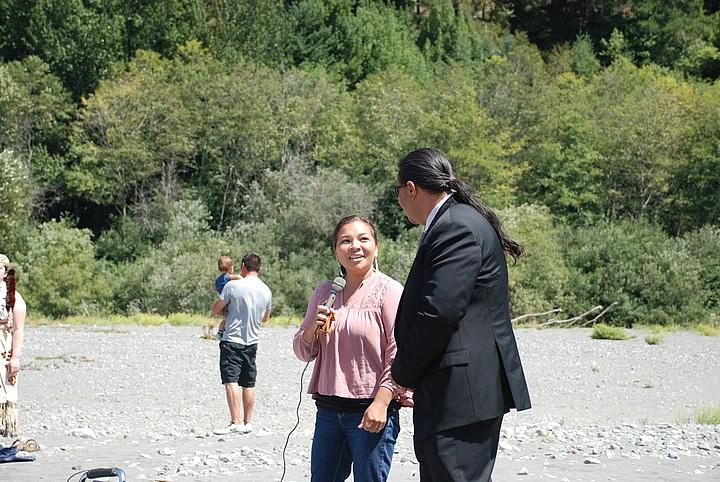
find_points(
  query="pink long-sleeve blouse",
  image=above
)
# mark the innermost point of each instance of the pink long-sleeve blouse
(354, 359)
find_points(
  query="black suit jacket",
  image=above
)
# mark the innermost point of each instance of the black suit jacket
(455, 342)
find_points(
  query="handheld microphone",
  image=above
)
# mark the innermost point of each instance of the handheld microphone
(337, 286)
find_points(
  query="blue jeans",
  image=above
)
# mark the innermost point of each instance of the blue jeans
(338, 444)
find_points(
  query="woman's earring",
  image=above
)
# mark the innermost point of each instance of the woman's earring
(341, 270)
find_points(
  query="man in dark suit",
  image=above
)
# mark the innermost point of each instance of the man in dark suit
(456, 346)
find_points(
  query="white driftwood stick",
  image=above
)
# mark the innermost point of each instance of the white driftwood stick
(573, 319)
(601, 314)
(533, 315)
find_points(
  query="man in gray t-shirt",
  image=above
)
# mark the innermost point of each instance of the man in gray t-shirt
(249, 302)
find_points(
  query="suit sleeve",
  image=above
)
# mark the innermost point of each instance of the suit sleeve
(452, 263)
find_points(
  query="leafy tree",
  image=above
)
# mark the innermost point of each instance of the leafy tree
(694, 192)
(133, 139)
(14, 198)
(447, 32)
(386, 123)
(78, 39)
(162, 25)
(354, 38)
(479, 147)
(304, 206)
(563, 155)
(644, 116)
(510, 85)
(35, 111)
(60, 274)
(579, 58)
(673, 34)
(704, 246)
(260, 30)
(561, 21)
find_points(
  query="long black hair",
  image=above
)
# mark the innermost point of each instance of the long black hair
(429, 169)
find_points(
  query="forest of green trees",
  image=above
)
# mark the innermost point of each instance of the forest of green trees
(142, 139)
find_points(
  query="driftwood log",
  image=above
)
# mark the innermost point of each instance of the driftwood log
(569, 321)
(535, 315)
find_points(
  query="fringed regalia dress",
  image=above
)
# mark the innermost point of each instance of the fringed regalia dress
(9, 423)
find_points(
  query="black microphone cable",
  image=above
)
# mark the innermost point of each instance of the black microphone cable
(297, 419)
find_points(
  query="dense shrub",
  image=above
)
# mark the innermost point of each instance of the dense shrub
(396, 255)
(539, 279)
(650, 275)
(704, 246)
(602, 331)
(177, 275)
(60, 275)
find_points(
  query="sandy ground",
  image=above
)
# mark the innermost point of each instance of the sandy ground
(146, 399)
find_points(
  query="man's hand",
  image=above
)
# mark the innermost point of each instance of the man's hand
(401, 387)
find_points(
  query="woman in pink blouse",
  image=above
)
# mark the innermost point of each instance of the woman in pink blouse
(357, 420)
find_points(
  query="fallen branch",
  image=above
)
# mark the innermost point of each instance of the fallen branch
(533, 315)
(574, 318)
(601, 314)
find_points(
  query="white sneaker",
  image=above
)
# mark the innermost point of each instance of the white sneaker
(233, 427)
(246, 428)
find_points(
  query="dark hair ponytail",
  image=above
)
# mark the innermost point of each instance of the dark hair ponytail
(464, 194)
(10, 285)
(432, 171)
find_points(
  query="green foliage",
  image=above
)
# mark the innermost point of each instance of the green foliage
(539, 279)
(681, 35)
(651, 277)
(579, 58)
(479, 147)
(78, 39)
(605, 147)
(59, 273)
(509, 85)
(397, 255)
(14, 198)
(563, 154)
(177, 275)
(704, 246)
(123, 241)
(208, 128)
(305, 206)
(133, 138)
(654, 339)
(448, 33)
(708, 329)
(602, 331)
(694, 183)
(35, 111)
(34, 108)
(294, 278)
(708, 415)
(354, 39)
(676, 34)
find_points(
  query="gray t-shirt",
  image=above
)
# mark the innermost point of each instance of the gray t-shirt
(247, 299)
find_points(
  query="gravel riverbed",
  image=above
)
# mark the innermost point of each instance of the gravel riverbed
(147, 398)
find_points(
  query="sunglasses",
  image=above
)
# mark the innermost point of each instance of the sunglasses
(396, 190)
